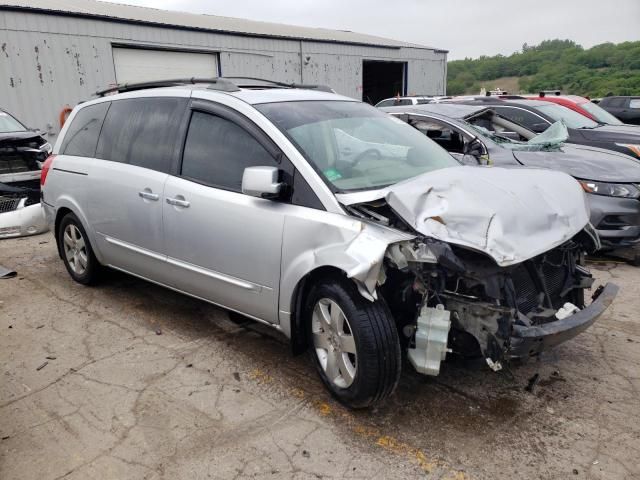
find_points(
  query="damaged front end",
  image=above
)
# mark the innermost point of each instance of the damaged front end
(21, 157)
(499, 295)
(451, 299)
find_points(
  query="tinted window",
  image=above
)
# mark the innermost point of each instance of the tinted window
(385, 103)
(82, 135)
(616, 102)
(217, 151)
(523, 117)
(142, 132)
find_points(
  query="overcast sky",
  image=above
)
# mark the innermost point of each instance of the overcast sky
(467, 28)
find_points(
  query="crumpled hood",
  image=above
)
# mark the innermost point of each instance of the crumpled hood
(587, 163)
(509, 214)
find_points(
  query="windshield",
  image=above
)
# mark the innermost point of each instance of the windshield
(354, 145)
(600, 114)
(571, 119)
(10, 124)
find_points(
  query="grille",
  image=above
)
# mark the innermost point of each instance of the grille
(8, 204)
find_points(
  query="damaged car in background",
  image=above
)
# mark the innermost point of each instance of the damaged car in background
(344, 228)
(22, 153)
(477, 135)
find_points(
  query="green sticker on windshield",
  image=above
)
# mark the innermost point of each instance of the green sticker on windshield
(332, 174)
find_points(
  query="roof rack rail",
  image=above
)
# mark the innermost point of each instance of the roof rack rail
(220, 84)
(276, 84)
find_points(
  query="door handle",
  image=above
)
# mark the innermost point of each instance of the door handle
(149, 195)
(179, 201)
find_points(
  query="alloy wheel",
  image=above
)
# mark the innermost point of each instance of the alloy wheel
(75, 249)
(334, 343)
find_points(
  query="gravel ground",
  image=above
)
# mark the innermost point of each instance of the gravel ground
(129, 381)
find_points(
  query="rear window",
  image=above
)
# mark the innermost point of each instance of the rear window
(82, 135)
(634, 103)
(142, 132)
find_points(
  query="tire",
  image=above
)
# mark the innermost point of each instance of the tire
(364, 368)
(76, 252)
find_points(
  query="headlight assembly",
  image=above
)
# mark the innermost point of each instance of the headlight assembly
(624, 190)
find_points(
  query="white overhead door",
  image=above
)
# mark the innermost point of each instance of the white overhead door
(135, 65)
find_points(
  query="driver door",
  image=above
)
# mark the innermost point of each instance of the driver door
(222, 245)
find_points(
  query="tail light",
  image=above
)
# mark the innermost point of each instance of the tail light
(45, 169)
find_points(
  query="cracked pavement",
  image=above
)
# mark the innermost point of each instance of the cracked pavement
(144, 383)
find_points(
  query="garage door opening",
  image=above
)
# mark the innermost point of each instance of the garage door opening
(382, 80)
(135, 65)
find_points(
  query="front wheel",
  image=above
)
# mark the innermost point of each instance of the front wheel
(354, 343)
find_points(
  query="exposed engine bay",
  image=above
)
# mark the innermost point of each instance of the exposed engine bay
(451, 298)
(21, 157)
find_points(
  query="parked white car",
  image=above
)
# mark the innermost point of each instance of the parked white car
(346, 229)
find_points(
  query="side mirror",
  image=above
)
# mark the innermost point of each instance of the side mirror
(474, 148)
(539, 127)
(261, 182)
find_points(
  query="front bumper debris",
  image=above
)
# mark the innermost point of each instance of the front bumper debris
(528, 341)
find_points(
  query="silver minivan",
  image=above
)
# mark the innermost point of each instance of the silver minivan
(356, 236)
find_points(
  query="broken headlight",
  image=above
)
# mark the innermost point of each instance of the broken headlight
(624, 190)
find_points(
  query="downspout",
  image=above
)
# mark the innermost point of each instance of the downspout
(301, 65)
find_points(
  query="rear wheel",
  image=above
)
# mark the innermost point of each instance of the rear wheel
(354, 343)
(76, 251)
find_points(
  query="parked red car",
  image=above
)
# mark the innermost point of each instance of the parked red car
(581, 105)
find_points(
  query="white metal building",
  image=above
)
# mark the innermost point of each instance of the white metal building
(55, 53)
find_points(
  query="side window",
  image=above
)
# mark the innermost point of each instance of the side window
(518, 115)
(217, 151)
(402, 102)
(423, 101)
(82, 135)
(385, 103)
(441, 133)
(634, 103)
(142, 132)
(615, 102)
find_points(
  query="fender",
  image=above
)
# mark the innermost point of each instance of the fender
(325, 239)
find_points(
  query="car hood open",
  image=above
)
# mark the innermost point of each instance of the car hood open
(509, 214)
(587, 163)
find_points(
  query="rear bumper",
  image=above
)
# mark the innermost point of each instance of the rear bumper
(528, 341)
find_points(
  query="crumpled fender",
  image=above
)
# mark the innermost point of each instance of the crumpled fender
(354, 246)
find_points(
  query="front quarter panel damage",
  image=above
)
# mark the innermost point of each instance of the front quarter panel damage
(330, 240)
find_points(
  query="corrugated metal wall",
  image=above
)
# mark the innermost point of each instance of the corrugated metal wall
(47, 61)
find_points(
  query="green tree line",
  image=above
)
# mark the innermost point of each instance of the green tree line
(555, 64)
